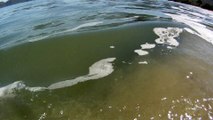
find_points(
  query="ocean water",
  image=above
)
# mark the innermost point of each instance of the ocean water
(105, 60)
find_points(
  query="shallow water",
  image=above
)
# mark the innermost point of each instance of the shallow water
(101, 60)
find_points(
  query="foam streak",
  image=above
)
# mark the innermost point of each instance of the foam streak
(98, 70)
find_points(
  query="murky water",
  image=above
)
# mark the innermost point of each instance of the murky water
(105, 60)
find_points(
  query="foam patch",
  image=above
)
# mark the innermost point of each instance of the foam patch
(167, 35)
(141, 52)
(143, 62)
(98, 70)
(9, 90)
(147, 46)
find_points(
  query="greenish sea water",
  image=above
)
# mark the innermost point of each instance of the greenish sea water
(93, 71)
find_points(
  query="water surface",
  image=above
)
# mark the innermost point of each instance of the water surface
(101, 60)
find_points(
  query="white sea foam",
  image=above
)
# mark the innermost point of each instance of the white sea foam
(167, 35)
(18, 85)
(195, 23)
(98, 70)
(43, 116)
(141, 52)
(147, 46)
(143, 62)
(169, 47)
(38, 38)
(90, 24)
(111, 47)
(190, 30)
(9, 89)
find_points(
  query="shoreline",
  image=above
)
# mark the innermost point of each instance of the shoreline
(11, 2)
(205, 4)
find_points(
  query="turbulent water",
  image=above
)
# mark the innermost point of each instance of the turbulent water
(105, 60)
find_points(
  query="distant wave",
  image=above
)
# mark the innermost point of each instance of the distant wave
(84, 25)
(90, 24)
(4, 0)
